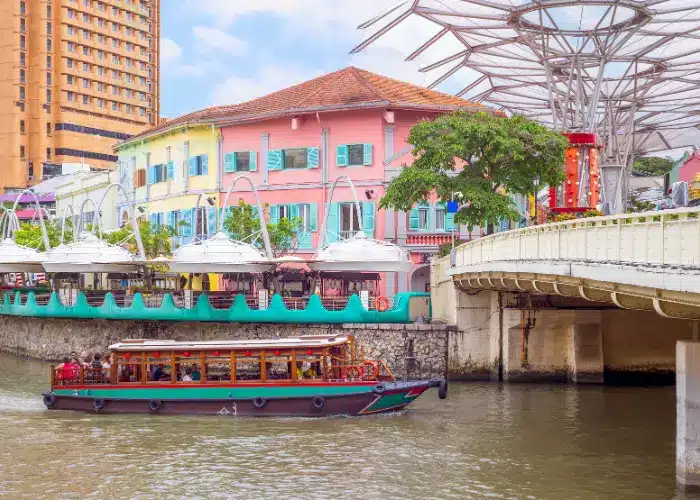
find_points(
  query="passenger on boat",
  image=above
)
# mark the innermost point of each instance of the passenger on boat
(187, 377)
(159, 373)
(196, 374)
(107, 362)
(67, 370)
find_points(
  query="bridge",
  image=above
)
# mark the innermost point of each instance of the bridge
(605, 299)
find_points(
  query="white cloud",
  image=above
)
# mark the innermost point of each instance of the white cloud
(216, 39)
(170, 53)
(236, 89)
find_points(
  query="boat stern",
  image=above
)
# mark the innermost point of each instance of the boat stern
(395, 396)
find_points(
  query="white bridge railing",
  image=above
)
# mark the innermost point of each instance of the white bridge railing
(669, 237)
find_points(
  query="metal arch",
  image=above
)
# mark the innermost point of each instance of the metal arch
(132, 215)
(345, 178)
(63, 221)
(81, 212)
(10, 222)
(196, 216)
(44, 234)
(261, 213)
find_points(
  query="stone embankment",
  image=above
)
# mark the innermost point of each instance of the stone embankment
(410, 350)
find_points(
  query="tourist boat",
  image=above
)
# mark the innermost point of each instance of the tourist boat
(311, 376)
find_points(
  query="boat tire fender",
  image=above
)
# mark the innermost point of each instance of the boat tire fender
(259, 402)
(318, 402)
(442, 389)
(99, 404)
(49, 400)
(379, 389)
(155, 405)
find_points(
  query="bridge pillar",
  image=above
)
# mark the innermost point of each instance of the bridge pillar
(587, 348)
(688, 414)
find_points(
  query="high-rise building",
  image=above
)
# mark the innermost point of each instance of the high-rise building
(76, 76)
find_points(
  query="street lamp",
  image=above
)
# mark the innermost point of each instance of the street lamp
(536, 182)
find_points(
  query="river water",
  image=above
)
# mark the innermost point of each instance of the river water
(484, 441)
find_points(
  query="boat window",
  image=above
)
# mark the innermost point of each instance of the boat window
(217, 366)
(310, 364)
(278, 364)
(248, 365)
(129, 367)
(188, 366)
(159, 366)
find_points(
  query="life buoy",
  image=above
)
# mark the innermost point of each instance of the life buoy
(259, 402)
(354, 372)
(155, 405)
(318, 402)
(99, 404)
(371, 369)
(49, 400)
(381, 303)
(379, 389)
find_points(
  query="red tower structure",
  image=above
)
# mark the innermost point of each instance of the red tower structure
(581, 189)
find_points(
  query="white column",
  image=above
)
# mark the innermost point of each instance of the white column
(688, 414)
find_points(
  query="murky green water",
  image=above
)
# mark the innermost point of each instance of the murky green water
(485, 441)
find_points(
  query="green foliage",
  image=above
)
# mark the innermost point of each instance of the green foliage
(445, 249)
(653, 165)
(29, 235)
(563, 217)
(156, 239)
(499, 156)
(592, 213)
(635, 205)
(242, 223)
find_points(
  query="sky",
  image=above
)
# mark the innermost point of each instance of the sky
(217, 52)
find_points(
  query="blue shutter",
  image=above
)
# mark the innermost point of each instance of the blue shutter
(341, 155)
(367, 150)
(312, 157)
(171, 170)
(253, 161)
(152, 220)
(192, 165)
(274, 214)
(413, 219)
(275, 159)
(211, 220)
(186, 217)
(332, 226)
(449, 222)
(204, 159)
(149, 175)
(293, 211)
(313, 217)
(368, 218)
(230, 162)
(171, 220)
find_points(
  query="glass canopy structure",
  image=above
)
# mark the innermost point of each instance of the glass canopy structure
(624, 70)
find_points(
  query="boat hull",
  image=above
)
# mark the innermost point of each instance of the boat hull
(322, 400)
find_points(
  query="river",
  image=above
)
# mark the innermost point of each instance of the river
(484, 441)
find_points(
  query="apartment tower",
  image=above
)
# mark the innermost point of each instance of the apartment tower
(76, 76)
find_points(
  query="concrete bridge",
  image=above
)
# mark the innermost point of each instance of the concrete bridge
(608, 299)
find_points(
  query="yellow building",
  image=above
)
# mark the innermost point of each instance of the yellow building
(76, 76)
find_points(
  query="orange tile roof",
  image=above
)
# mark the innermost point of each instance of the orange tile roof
(349, 88)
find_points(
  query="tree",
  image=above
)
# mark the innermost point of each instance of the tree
(29, 235)
(242, 223)
(653, 165)
(485, 157)
(156, 239)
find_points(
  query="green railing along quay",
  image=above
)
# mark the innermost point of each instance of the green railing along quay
(239, 312)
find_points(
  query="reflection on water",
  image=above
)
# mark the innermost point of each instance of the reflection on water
(485, 441)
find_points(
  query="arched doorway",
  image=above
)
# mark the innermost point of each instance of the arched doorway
(420, 279)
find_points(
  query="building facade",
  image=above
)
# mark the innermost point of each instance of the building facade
(76, 76)
(85, 189)
(293, 144)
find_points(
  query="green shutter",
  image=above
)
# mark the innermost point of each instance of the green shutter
(211, 221)
(368, 218)
(341, 155)
(313, 217)
(367, 150)
(274, 214)
(275, 159)
(230, 162)
(450, 222)
(413, 219)
(312, 157)
(204, 161)
(253, 161)
(171, 170)
(332, 224)
(186, 217)
(192, 165)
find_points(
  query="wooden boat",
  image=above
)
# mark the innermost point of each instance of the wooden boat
(312, 376)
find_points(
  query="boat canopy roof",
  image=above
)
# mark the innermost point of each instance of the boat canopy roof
(172, 345)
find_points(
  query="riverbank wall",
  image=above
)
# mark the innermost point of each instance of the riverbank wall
(410, 350)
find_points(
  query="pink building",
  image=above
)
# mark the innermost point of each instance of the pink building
(295, 142)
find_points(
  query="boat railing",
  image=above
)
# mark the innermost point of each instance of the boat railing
(84, 375)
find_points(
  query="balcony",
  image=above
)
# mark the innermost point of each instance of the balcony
(429, 239)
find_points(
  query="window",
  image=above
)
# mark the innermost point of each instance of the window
(48, 128)
(48, 79)
(423, 218)
(23, 25)
(22, 42)
(100, 103)
(86, 18)
(48, 11)
(69, 79)
(440, 214)
(114, 106)
(86, 67)
(86, 83)
(140, 178)
(22, 59)
(70, 14)
(71, 47)
(48, 28)
(419, 218)
(48, 153)
(22, 8)
(295, 158)
(305, 215)
(48, 45)
(242, 161)
(22, 94)
(69, 29)
(100, 86)
(48, 62)
(86, 50)
(283, 212)
(353, 155)
(349, 219)
(69, 62)
(48, 95)
(70, 96)
(22, 76)
(86, 34)
(86, 99)
(21, 153)
(159, 173)
(22, 127)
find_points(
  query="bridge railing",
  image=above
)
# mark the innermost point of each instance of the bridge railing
(669, 237)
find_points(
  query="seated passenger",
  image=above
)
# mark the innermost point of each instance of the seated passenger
(66, 370)
(187, 377)
(158, 373)
(196, 374)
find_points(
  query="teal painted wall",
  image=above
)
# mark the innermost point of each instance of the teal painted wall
(239, 311)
